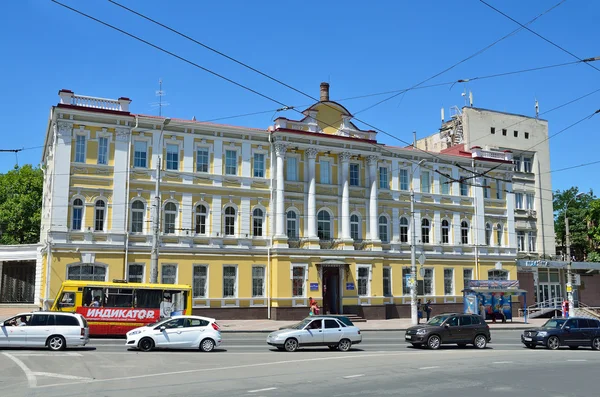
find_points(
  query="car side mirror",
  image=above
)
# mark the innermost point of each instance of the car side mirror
(162, 328)
(567, 328)
(446, 325)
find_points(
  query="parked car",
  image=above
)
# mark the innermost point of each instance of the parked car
(557, 332)
(316, 331)
(56, 331)
(343, 319)
(450, 328)
(177, 332)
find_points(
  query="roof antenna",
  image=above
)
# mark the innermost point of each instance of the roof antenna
(160, 93)
(537, 109)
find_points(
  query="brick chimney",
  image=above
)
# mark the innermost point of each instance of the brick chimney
(324, 92)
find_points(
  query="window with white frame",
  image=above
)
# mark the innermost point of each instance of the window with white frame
(168, 274)
(77, 218)
(200, 281)
(384, 235)
(405, 286)
(229, 281)
(354, 174)
(230, 162)
(257, 222)
(87, 272)
(292, 225)
(103, 150)
(202, 159)
(172, 157)
(259, 165)
(488, 234)
(467, 277)
(497, 275)
(387, 281)
(445, 231)
(448, 281)
(258, 281)
(403, 179)
(403, 229)
(529, 197)
(355, 227)
(425, 229)
(325, 169)
(135, 273)
(444, 184)
(200, 218)
(464, 232)
(291, 169)
(298, 281)
(324, 225)
(383, 178)
(517, 161)
(499, 237)
(531, 241)
(498, 189)
(464, 188)
(363, 280)
(428, 281)
(486, 188)
(527, 164)
(99, 215)
(137, 216)
(80, 148)
(519, 200)
(521, 240)
(169, 218)
(425, 182)
(230, 221)
(140, 154)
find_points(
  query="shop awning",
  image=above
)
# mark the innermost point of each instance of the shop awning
(585, 265)
(496, 290)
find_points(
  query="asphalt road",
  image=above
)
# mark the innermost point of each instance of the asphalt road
(383, 365)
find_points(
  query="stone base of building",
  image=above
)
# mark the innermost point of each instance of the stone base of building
(234, 313)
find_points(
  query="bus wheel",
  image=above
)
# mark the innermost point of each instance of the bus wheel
(146, 344)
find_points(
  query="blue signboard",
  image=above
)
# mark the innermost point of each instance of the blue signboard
(314, 286)
(350, 286)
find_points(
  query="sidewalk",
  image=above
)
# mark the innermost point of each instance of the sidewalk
(399, 324)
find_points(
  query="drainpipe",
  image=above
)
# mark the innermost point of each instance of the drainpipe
(270, 231)
(127, 175)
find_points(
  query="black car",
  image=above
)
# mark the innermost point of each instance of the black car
(557, 332)
(461, 329)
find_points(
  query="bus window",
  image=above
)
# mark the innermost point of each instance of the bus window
(118, 297)
(178, 302)
(93, 296)
(67, 300)
(148, 298)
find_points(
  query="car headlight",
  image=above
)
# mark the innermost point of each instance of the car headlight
(421, 332)
(135, 332)
(542, 333)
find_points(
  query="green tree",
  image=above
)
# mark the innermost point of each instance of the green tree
(21, 192)
(593, 219)
(577, 213)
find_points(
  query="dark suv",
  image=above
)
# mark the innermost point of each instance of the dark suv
(556, 332)
(461, 329)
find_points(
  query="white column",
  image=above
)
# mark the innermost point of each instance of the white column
(246, 163)
(187, 212)
(509, 228)
(120, 201)
(216, 212)
(62, 171)
(188, 158)
(345, 160)
(395, 225)
(245, 218)
(373, 208)
(280, 150)
(395, 175)
(312, 199)
(435, 234)
(218, 163)
(455, 185)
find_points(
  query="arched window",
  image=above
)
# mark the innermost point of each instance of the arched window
(230, 221)
(403, 230)
(324, 225)
(464, 232)
(292, 225)
(200, 218)
(499, 235)
(355, 227)
(488, 234)
(425, 227)
(86, 271)
(383, 229)
(497, 275)
(257, 222)
(137, 216)
(170, 217)
(445, 232)
(99, 214)
(77, 220)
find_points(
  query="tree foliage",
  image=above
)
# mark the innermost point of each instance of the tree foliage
(576, 208)
(21, 192)
(593, 219)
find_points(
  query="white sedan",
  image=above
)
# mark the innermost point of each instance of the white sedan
(177, 332)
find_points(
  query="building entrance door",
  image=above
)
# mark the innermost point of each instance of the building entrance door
(17, 283)
(549, 286)
(331, 290)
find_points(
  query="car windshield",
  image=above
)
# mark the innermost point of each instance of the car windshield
(301, 324)
(554, 323)
(437, 320)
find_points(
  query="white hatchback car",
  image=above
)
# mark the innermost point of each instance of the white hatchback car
(53, 330)
(177, 332)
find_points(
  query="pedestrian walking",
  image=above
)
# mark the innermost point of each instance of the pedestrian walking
(419, 311)
(427, 309)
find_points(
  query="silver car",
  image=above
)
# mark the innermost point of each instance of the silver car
(320, 331)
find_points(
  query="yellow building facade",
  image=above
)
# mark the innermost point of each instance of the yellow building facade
(259, 221)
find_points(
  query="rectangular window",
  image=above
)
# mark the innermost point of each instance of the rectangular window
(492, 130)
(363, 281)
(140, 154)
(444, 184)
(467, 277)
(103, 150)
(403, 179)
(172, 157)
(498, 189)
(527, 164)
(529, 201)
(519, 200)
(425, 182)
(504, 132)
(486, 189)
(202, 159)
(199, 282)
(298, 281)
(532, 242)
(135, 273)
(517, 162)
(405, 287)
(428, 282)
(516, 134)
(80, 149)
(259, 165)
(169, 274)
(258, 281)
(387, 281)
(464, 189)
(325, 172)
(521, 241)
(292, 168)
(230, 162)
(354, 175)
(526, 135)
(383, 178)
(448, 281)
(229, 281)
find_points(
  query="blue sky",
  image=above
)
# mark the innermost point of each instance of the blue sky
(359, 47)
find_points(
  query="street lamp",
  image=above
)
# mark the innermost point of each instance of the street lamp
(156, 214)
(413, 264)
(568, 247)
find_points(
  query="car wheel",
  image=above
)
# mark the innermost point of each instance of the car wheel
(146, 344)
(434, 342)
(291, 345)
(332, 347)
(56, 343)
(596, 344)
(480, 341)
(573, 347)
(207, 345)
(461, 344)
(530, 345)
(553, 343)
(344, 345)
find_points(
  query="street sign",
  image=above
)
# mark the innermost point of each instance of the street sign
(422, 259)
(410, 281)
(422, 271)
(569, 288)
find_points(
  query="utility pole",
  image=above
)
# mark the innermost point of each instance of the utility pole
(569, 284)
(156, 213)
(413, 264)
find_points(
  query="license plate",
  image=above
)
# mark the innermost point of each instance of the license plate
(527, 339)
(408, 337)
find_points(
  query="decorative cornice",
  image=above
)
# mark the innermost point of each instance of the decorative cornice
(65, 128)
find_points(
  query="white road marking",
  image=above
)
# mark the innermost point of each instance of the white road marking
(576, 361)
(429, 367)
(61, 376)
(502, 362)
(31, 379)
(353, 376)
(266, 389)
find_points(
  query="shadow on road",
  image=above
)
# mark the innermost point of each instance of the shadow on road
(43, 349)
(190, 351)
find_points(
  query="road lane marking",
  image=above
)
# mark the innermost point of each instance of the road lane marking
(502, 362)
(353, 376)
(434, 367)
(265, 389)
(61, 376)
(576, 361)
(31, 379)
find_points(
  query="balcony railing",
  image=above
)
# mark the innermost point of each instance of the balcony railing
(69, 98)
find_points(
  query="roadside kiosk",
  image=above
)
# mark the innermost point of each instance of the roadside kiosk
(492, 299)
